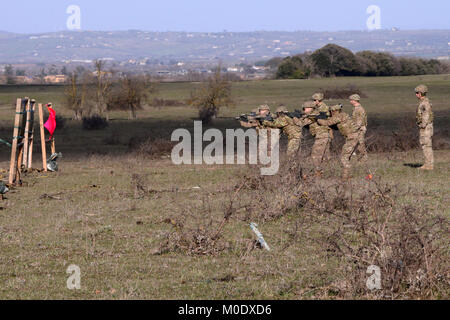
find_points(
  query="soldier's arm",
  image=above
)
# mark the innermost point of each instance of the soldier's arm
(426, 113)
(277, 123)
(301, 122)
(329, 122)
(358, 118)
(250, 124)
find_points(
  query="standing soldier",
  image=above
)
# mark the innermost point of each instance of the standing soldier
(359, 118)
(348, 129)
(321, 134)
(322, 107)
(264, 111)
(425, 123)
(293, 132)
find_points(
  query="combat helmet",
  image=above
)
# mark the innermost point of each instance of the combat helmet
(282, 109)
(263, 107)
(355, 97)
(318, 96)
(421, 89)
(308, 104)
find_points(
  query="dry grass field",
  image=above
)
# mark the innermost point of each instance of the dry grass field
(140, 227)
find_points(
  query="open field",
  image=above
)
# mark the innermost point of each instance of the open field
(139, 227)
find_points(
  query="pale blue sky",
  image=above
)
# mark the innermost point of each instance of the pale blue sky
(32, 16)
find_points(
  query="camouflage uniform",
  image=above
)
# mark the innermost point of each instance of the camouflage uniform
(260, 126)
(425, 123)
(321, 134)
(293, 132)
(322, 107)
(348, 129)
(359, 118)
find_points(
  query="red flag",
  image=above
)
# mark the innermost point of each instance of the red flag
(50, 125)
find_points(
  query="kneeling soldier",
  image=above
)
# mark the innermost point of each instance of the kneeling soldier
(348, 129)
(287, 125)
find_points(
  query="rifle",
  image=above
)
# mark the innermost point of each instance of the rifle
(254, 117)
(321, 116)
(296, 114)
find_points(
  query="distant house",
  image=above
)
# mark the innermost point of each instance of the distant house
(59, 78)
(24, 79)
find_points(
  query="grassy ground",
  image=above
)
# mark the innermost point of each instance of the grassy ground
(88, 213)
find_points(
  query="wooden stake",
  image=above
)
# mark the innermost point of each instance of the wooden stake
(53, 146)
(44, 151)
(13, 164)
(26, 135)
(31, 141)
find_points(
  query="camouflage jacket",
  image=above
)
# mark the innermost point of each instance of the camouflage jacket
(287, 125)
(317, 130)
(424, 113)
(322, 107)
(344, 123)
(359, 117)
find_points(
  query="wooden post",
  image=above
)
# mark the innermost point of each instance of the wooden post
(31, 141)
(44, 151)
(53, 145)
(26, 135)
(13, 164)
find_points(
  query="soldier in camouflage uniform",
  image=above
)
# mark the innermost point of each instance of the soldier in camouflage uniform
(264, 111)
(359, 118)
(252, 122)
(348, 129)
(321, 134)
(322, 107)
(287, 125)
(425, 123)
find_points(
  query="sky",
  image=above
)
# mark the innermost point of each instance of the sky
(31, 16)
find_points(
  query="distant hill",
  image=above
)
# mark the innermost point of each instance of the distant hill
(226, 46)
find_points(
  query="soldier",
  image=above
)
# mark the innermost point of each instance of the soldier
(321, 134)
(348, 129)
(359, 118)
(293, 132)
(425, 123)
(322, 107)
(252, 122)
(264, 111)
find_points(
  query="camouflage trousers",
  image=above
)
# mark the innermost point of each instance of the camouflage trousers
(361, 148)
(293, 146)
(319, 150)
(348, 149)
(425, 139)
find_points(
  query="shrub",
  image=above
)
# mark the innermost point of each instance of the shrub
(94, 123)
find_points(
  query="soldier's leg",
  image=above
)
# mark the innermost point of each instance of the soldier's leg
(293, 146)
(318, 151)
(426, 136)
(361, 148)
(346, 154)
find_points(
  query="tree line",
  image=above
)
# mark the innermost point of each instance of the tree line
(95, 94)
(333, 60)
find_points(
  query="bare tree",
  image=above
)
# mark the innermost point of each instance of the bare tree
(72, 96)
(103, 86)
(213, 95)
(130, 93)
